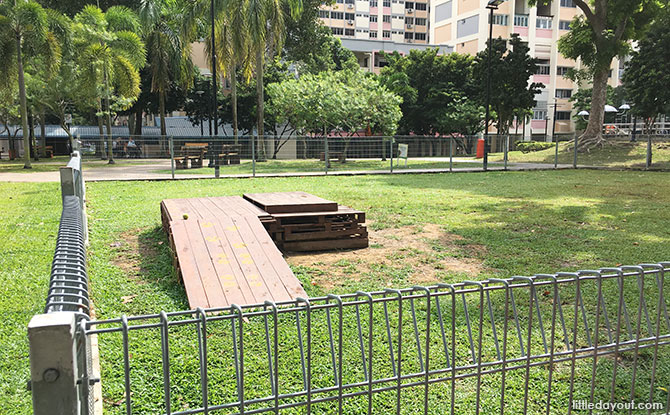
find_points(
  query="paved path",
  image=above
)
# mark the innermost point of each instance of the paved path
(149, 172)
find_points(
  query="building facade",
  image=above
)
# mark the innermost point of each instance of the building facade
(464, 25)
(368, 27)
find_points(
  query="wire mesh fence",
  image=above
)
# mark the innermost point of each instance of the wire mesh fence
(553, 343)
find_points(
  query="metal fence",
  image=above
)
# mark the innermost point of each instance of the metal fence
(540, 344)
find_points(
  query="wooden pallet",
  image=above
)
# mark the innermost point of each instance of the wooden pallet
(290, 202)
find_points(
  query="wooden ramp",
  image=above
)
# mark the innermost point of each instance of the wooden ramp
(225, 255)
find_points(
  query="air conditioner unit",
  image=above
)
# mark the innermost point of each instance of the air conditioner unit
(350, 22)
(409, 26)
(350, 6)
(410, 11)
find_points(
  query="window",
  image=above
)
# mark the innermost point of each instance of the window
(348, 16)
(567, 3)
(386, 34)
(420, 21)
(340, 1)
(386, 19)
(386, 3)
(373, 19)
(324, 14)
(409, 5)
(562, 70)
(564, 25)
(562, 115)
(421, 6)
(563, 93)
(521, 20)
(420, 36)
(543, 22)
(409, 35)
(542, 69)
(539, 114)
(373, 3)
(373, 35)
(349, 1)
(500, 19)
(337, 30)
(337, 15)
(348, 32)
(409, 20)
(609, 74)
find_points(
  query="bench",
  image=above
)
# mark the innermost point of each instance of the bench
(48, 151)
(191, 153)
(333, 155)
(230, 154)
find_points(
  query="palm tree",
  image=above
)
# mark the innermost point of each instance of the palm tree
(23, 34)
(232, 49)
(169, 57)
(110, 54)
(265, 21)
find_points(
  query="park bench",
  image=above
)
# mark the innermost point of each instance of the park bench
(48, 151)
(333, 155)
(191, 154)
(230, 154)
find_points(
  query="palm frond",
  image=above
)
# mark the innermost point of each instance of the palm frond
(129, 45)
(122, 19)
(125, 77)
(91, 16)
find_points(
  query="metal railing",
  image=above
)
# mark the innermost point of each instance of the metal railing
(540, 344)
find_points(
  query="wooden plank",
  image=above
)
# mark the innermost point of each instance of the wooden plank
(289, 280)
(195, 291)
(227, 272)
(315, 236)
(286, 202)
(206, 271)
(326, 245)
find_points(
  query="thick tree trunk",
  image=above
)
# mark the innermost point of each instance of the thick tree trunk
(23, 106)
(233, 98)
(43, 133)
(593, 135)
(131, 123)
(138, 122)
(259, 105)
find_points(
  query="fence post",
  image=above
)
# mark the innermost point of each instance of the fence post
(556, 154)
(506, 150)
(171, 144)
(54, 373)
(391, 152)
(451, 154)
(325, 152)
(574, 160)
(649, 155)
(253, 156)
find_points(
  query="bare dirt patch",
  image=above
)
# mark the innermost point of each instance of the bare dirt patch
(131, 252)
(425, 254)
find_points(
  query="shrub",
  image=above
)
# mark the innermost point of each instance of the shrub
(528, 146)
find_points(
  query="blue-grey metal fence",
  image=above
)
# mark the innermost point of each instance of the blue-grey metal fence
(539, 344)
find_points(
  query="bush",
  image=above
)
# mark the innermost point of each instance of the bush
(528, 146)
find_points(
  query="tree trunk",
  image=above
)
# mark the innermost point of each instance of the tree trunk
(138, 122)
(259, 105)
(23, 106)
(233, 98)
(43, 133)
(131, 123)
(161, 109)
(593, 135)
(33, 139)
(110, 151)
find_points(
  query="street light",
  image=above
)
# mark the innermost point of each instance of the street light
(492, 5)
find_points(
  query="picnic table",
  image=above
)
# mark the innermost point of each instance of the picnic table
(192, 155)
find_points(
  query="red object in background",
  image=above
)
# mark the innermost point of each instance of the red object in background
(480, 148)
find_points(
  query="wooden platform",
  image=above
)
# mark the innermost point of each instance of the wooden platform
(290, 202)
(224, 253)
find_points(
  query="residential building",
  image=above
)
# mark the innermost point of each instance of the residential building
(464, 25)
(368, 27)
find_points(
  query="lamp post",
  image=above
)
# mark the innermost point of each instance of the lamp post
(553, 122)
(492, 5)
(546, 126)
(214, 86)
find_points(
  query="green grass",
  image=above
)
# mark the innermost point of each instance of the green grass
(521, 223)
(620, 154)
(290, 166)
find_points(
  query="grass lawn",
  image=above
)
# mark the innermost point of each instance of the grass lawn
(620, 154)
(490, 225)
(289, 166)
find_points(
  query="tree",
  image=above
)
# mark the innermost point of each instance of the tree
(169, 57)
(582, 101)
(110, 54)
(344, 102)
(265, 23)
(431, 85)
(24, 35)
(647, 76)
(601, 32)
(72, 7)
(512, 67)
